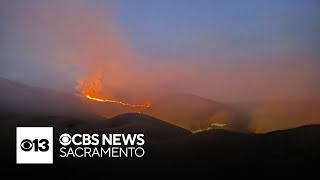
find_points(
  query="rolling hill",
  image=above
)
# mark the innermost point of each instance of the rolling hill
(20, 98)
(193, 112)
(187, 111)
(169, 146)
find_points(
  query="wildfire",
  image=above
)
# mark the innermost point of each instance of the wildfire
(91, 87)
(218, 124)
(147, 105)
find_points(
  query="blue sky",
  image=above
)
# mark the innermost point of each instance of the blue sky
(184, 27)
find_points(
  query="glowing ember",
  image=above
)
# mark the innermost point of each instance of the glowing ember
(218, 124)
(209, 128)
(118, 102)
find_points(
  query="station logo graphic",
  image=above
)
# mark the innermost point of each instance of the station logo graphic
(34, 145)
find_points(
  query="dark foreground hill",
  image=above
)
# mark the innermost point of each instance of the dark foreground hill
(298, 147)
(172, 148)
(155, 130)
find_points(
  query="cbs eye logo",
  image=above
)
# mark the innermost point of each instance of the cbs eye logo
(38, 145)
(65, 139)
(34, 145)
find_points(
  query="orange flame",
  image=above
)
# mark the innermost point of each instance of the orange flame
(91, 88)
(147, 105)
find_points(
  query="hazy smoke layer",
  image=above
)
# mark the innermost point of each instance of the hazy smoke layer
(55, 44)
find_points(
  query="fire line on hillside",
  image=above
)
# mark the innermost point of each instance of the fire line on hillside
(91, 88)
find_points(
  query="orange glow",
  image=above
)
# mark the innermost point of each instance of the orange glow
(147, 105)
(91, 87)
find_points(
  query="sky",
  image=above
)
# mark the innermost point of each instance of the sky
(223, 50)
